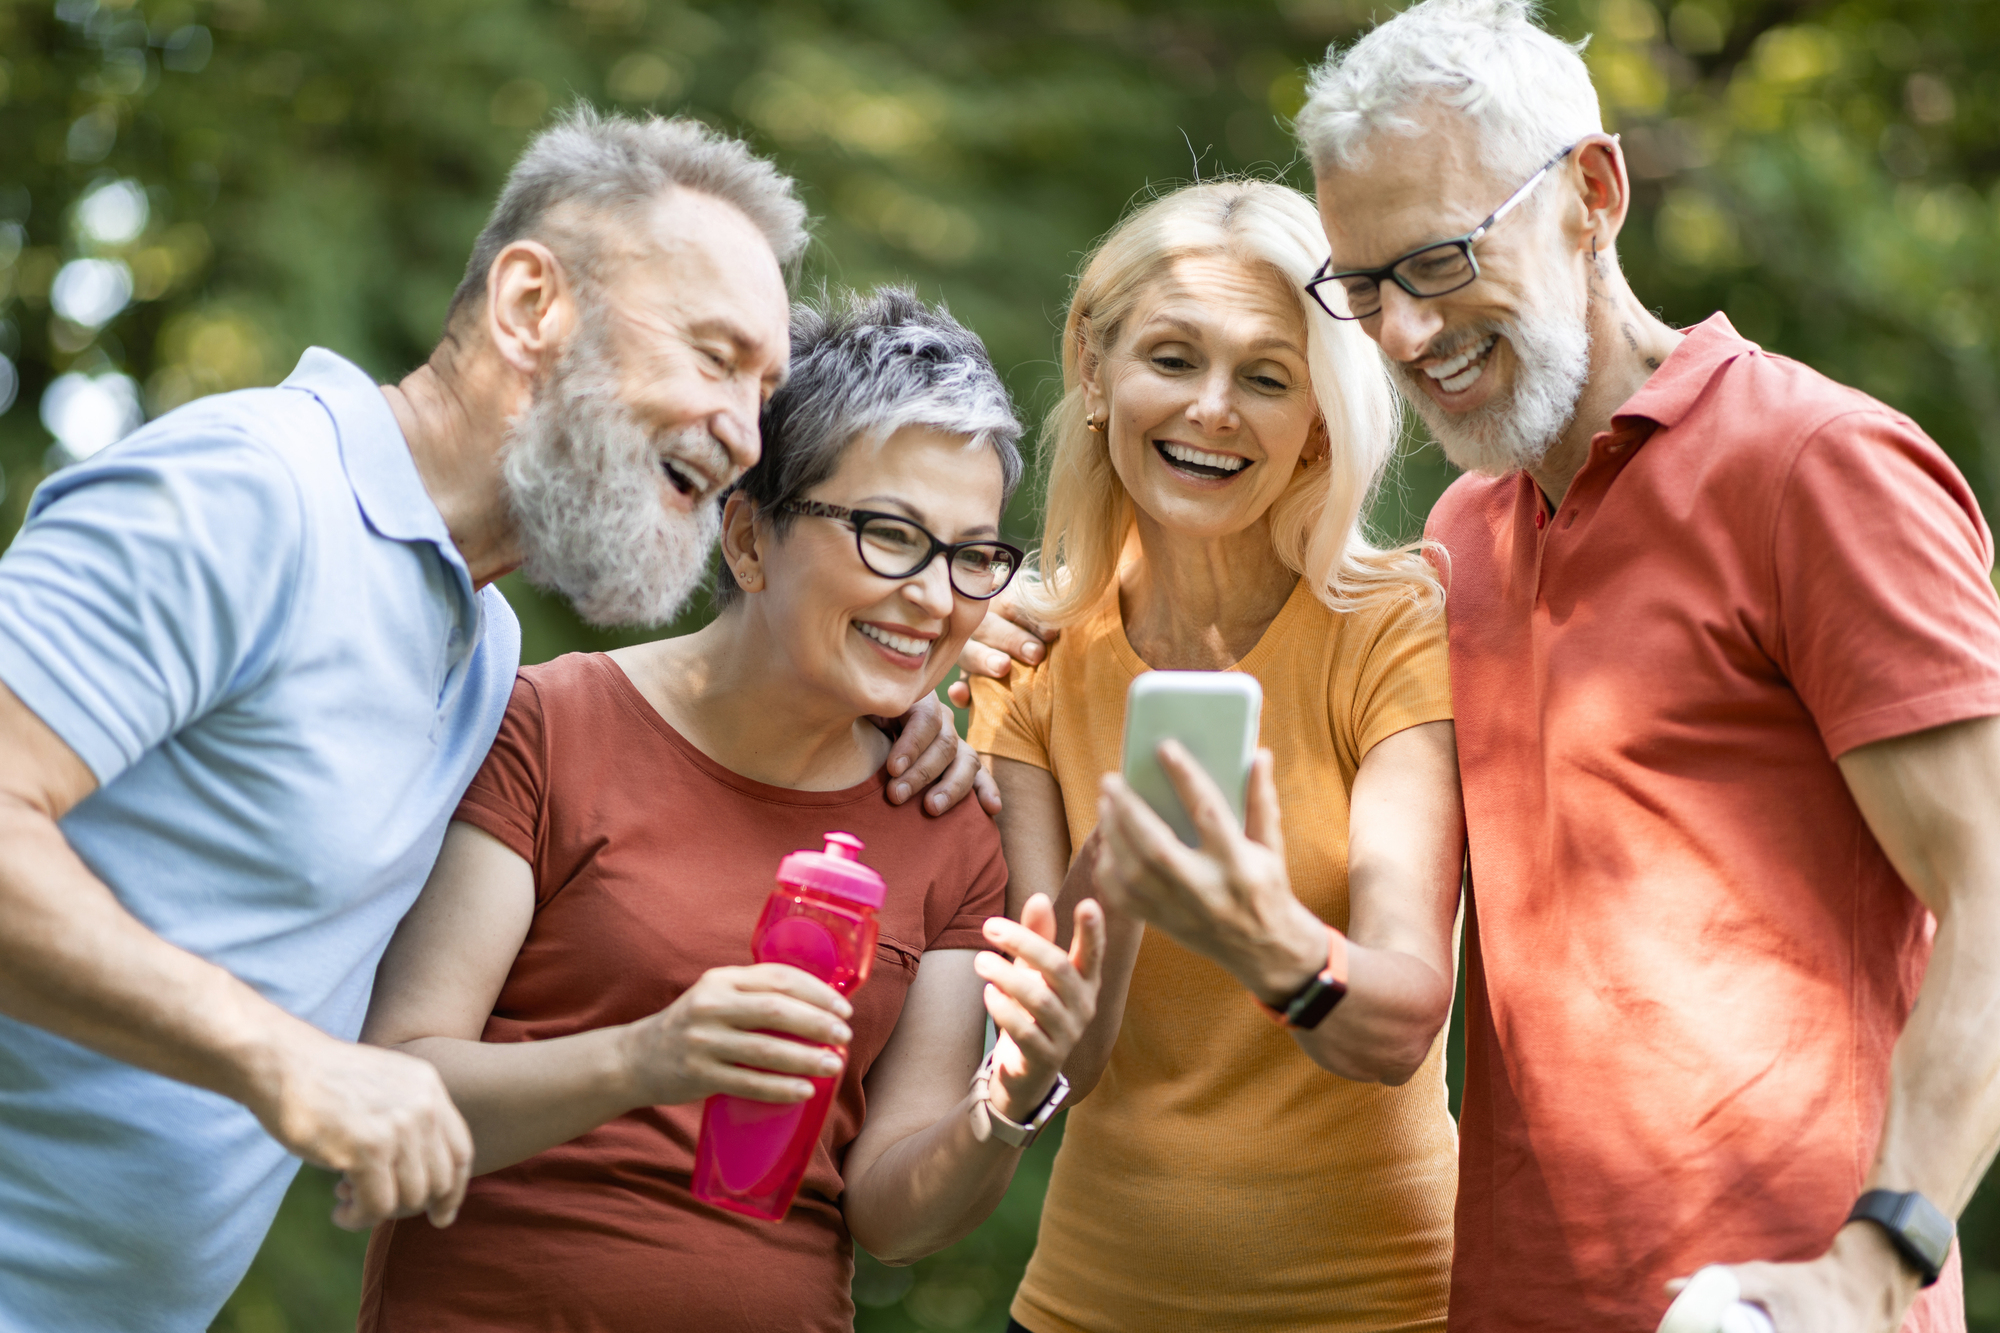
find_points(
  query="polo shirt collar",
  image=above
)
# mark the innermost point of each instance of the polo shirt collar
(1671, 393)
(373, 450)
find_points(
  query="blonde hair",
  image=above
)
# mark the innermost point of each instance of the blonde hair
(1318, 522)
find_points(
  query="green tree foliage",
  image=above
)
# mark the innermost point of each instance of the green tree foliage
(271, 175)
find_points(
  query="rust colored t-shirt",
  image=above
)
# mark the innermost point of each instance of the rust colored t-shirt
(652, 862)
(1691, 958)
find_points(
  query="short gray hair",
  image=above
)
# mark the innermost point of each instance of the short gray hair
(616, 167)
(1528, 91)
(865, 367)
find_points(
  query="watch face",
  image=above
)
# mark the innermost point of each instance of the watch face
(1927, 1228)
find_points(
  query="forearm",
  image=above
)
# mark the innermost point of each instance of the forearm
(520, 1098)
(1943, 1117)
(74, 962)
(928, 1190)
(1383, 1029)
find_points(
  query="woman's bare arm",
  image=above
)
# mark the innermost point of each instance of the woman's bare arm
(1034, 833)
(448, 961)
(1231, 898)
(918, 1176)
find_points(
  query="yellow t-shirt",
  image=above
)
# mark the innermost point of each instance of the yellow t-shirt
(1217, 1178)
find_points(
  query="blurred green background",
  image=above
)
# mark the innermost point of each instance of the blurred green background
(192, 191)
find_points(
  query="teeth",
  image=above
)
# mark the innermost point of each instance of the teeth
(1220, 462)
(1457, 374)
(901, 643)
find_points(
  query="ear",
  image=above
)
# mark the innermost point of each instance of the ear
(1090, 372)
(530, 305)
(1319, 442)
(742, 544)
(1605, 189)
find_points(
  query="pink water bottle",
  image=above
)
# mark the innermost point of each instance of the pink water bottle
(821, 919)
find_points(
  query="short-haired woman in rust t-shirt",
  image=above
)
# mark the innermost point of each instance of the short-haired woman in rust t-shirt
(573, 968)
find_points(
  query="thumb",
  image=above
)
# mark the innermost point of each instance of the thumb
(1039, 915)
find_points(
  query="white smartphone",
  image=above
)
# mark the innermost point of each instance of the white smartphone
(1214, 714)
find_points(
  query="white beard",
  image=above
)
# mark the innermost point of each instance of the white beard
(1514, 431)
(584, 481)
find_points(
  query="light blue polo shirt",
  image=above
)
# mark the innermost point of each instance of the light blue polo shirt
(249, 621)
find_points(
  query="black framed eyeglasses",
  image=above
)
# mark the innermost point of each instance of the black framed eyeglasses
(900, 548)
(1442, 266)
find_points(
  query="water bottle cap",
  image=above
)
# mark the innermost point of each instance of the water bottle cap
(836, 870)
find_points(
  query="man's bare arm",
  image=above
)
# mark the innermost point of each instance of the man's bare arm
(73, 961)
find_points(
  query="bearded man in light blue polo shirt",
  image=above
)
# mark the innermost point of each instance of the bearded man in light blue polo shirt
(251, 656)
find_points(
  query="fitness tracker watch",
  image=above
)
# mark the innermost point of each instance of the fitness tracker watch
(988, 1123)
(1315, 1000)
(1920, 1233)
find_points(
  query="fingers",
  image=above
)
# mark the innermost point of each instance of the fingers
(1087, 945)
(987, 790)
(976, 659)
(959, 692)
(919, 733)
(454, 1170)
(803, 1007)
(784, 979)
(1260, 811)
(1206, 805)
(1039, 915)
(371, 1195)
(1008, 632)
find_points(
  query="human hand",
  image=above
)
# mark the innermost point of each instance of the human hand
(928, 751)
(717, 1038)
(1007, 634)
(1229, 899)
(1041, 1000)
(1860, 1285)
(381, 1118)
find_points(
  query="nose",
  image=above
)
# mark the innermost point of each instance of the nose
(1405, 325)
(929, 590)
(735, 427)
(1213, 412)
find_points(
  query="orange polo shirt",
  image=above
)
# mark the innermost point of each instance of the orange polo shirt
(1691, 959)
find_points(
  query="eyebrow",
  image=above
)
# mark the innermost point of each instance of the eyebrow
(910, 510)
(1189, 327)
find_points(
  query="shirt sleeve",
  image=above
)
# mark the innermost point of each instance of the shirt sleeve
(986, 890)
(1887, 619)
(1404, 678)
(506, 795)
(148, 587)
(1010, 718)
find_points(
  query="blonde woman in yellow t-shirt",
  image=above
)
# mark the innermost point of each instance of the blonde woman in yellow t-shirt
(1217, 442)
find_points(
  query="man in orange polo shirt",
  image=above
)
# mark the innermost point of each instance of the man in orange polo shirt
(1726, 665)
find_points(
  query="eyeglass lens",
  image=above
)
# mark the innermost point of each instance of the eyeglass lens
(898, 550)
(1432, 272)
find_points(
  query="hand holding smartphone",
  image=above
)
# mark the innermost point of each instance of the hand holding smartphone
(1214, 714)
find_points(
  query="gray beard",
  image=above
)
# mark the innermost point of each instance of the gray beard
(583, 483)
(1509, 434)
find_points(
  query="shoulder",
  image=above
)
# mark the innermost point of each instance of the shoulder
(1474, 505)
(1763, 409)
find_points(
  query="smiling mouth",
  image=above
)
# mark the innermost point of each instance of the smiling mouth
(687, 483)
(905, 644)
(1199, 462)
(1463, 371)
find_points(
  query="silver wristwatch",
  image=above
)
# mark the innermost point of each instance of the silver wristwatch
(988, 1123)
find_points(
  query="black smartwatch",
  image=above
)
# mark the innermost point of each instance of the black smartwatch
(1920, 1233)
(1323, 990)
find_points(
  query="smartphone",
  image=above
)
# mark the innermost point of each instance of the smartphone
(1214, 714)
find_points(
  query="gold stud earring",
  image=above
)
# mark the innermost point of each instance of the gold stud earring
(1095, 425)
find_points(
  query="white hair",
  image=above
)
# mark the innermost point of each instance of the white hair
(1528, 91)
(612, 168)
